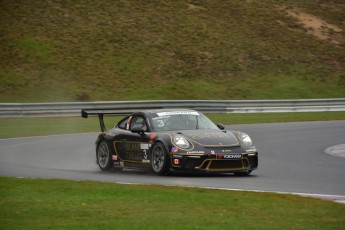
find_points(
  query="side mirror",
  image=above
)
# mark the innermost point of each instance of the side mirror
(139, 130)
(220, 126)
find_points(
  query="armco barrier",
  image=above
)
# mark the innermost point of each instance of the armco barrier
(207, 106)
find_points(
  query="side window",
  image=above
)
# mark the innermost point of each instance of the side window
(139, 122)
(123, 123)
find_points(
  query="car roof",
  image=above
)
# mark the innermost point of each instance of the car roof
(151, 111)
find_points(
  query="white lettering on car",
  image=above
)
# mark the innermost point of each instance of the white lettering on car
(233, 156)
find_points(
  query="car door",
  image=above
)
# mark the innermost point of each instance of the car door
(137, 144)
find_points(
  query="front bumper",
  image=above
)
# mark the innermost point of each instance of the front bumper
(235, 162)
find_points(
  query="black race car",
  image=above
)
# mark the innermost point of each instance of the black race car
(167, 140)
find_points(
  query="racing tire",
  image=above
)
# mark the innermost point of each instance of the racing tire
(159, 159)
(104, 155)
(246, 173)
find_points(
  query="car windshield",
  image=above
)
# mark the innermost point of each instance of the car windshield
(180, 120)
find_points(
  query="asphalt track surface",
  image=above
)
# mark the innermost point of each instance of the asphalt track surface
(291, 159)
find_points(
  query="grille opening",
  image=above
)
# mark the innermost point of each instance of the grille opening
(245, 163)
(253, 161)
(226, 164)
(192, 163)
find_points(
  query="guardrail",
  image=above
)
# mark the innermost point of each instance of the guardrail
(207, 106)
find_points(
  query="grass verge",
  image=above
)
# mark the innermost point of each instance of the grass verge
(186, 49)
(59, 204)
(21, 127)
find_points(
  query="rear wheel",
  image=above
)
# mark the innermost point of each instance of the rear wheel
(104, 154)
(159, 159)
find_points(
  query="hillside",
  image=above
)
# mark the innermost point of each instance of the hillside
(187, 49)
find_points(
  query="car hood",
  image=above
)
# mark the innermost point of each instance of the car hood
(210, 137)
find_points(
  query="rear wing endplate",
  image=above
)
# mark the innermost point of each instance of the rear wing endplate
(85, 113)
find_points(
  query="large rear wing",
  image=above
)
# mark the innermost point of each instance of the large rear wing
(85, 113)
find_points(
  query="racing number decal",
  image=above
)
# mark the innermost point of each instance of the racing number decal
(160, 123)
(136, 151)
(145, 155)
(144, 148)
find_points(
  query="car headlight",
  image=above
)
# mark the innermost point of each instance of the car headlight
(181, 142)
(246, 139)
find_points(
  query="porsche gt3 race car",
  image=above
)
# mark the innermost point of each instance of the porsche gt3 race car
(167, 140)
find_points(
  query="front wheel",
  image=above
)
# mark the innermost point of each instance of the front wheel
(159, 159)
(104, 160)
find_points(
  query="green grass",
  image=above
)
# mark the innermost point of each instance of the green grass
(141, 50)
(21, 127)
(253, 118)
(58, 204)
